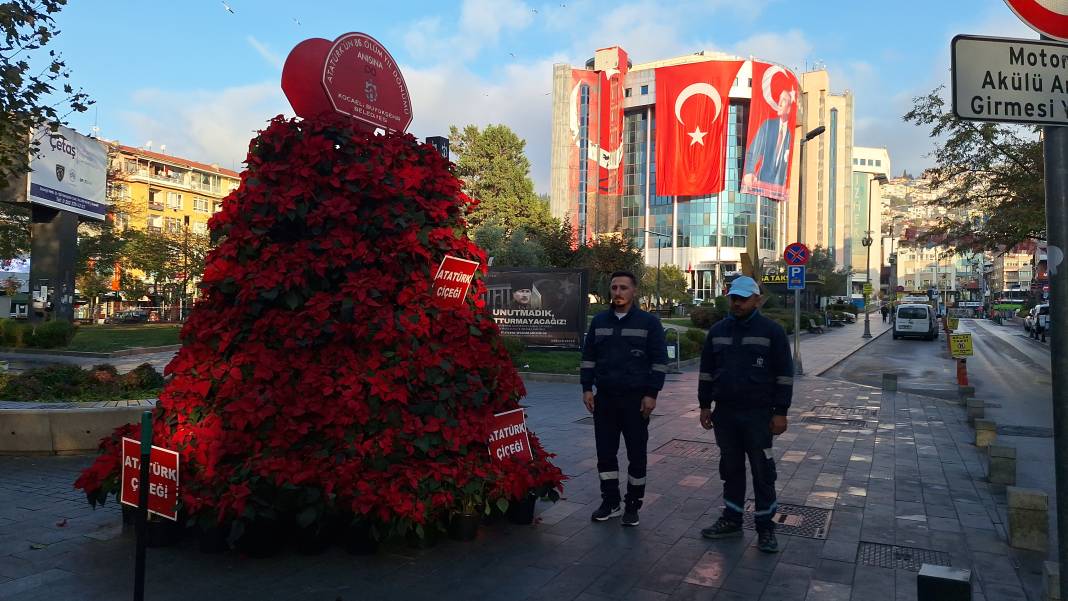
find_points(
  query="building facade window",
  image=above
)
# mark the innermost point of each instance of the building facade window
(199, 227)
(201, 205)
(172, 225)
(626, 93)
(634, 160)
(155, 199)
(584, 146)
(174, 200)
(832, 183)
(155, 223)
(645, 90)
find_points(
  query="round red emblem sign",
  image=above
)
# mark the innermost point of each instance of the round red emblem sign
(363, 81)
(1048, 17)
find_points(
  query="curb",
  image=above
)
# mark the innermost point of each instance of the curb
(533, 376)
(853, 352)
(139, 350)
(61, 431)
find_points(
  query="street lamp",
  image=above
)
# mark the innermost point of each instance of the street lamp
(866, 241)
(657, 263)
(798, 369)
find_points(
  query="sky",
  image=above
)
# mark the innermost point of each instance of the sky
(200, 80)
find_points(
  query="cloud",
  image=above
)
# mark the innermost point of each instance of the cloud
(791, 48)
(479, 25)
(209, 126)
(518, 96)
(266, 53)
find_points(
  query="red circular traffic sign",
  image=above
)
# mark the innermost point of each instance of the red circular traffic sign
(1038, 16)
(796, 254)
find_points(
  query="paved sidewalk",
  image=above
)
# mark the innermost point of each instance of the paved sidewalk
(897, 471)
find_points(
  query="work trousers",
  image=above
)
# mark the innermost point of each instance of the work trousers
(614, 415)
(742, 433)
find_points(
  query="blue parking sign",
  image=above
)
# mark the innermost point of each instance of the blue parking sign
(795, 277)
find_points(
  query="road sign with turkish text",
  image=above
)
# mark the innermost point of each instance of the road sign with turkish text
(960, 345)
(796, 254)
(867, 288)
(795, 277)
(1045, 17)
(162, 478)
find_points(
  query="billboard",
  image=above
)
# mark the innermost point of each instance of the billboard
(546, 308)
(69, 173)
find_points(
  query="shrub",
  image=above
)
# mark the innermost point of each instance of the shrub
(142, 377)
(514, 345)
(50, 334)
(697, 336)
(704, 317)
(71, 383)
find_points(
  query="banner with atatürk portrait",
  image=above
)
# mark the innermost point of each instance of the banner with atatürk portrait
(546, 308)
(769, 147)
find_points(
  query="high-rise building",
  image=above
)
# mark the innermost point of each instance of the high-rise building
(705, 234)
(863, 219)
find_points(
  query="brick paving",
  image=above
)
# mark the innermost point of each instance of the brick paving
(905, 475)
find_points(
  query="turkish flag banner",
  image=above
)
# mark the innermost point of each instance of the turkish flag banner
(691, 126)
(610, 147)
(772, 116)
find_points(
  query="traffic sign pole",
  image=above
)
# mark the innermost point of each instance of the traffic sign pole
(142, 509)
(797, 254)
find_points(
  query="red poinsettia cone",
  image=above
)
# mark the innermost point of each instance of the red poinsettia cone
(318, 375)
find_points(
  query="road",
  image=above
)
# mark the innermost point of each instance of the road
(1009, 370)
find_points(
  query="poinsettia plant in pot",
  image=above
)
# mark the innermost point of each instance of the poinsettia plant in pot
(319, 359)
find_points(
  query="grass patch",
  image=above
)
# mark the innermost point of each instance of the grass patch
(110, 338)
(549, 362)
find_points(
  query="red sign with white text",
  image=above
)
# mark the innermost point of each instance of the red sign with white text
(364, 82)
(509, 436)
(453, 279)
(162, 478)
(692, 105)
(772, 115)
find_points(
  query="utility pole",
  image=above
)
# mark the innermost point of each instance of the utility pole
(798, 368)
(658, 247)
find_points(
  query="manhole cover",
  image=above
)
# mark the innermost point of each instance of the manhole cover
(846, 412)
(905, 558)
(690, 449)
(1027, 431)
(794, 520)
(838, 421)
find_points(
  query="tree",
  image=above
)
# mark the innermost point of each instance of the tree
(515, 250)
(98, 254)
(153, 253)
(494, 168)
(992, 175)
(557, 241)
(606, 254)
(821, 266)
(673, 285)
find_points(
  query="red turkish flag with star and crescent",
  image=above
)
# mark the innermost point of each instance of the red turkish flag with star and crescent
(692, 104)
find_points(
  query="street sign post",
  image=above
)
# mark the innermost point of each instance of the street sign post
(1003, 79)
(796, 255)
(795, 277)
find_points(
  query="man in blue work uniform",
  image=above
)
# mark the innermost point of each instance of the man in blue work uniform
(624, 356)
(747, 371)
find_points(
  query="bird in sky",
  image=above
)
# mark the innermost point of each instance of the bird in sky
(534, 10)
(297, 21)
(227, 7)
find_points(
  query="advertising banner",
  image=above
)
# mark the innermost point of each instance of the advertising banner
(162, 478)
(772, 117)
(453, 279)
(545, 308)
(509, 437)
(691, 130)
(69, 173)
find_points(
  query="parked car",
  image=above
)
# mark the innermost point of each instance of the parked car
(131, 316)
(1037, 322)
(916, 320)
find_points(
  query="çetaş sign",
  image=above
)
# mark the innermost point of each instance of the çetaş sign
(1003, 79)
(69, 173)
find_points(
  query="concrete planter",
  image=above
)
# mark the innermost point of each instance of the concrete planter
(61, 431)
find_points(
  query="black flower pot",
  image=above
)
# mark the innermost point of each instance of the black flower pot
(522, 511)
(213, 539)
(261, 538)
(464, 526)
(312, 540)
(162, 532)
(358, 539)
(428, 540)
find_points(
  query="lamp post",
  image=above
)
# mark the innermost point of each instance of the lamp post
(798, 369)
(657, 263)
(867, 266)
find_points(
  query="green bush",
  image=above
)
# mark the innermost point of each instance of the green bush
(50, 334)
(71, 383)
(142, 378)
(55, 382)
(514, 345)
(690, 348)
(704, 317)
(10, 332)
(595, 308)
(697, 336)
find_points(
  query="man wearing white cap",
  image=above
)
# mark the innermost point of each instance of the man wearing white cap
(747, 371)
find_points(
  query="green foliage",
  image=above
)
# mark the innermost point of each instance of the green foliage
(35, 93)
(514, 346)
(549, 362)
(10, 332)
(142, 377)
(673, 285)
(991, 178)
(515, 250)
(705, 317)
(49, 334)
(71, 383)
(607, 254)
(697, 336)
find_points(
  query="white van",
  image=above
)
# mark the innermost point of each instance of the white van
(915, 319)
